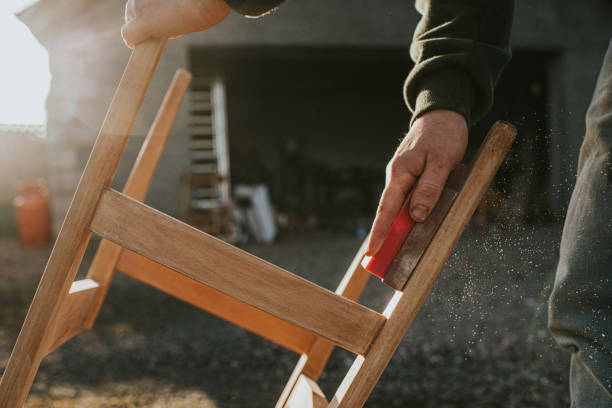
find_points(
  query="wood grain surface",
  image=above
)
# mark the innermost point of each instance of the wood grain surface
(103, 265)
(234, 272)
(416, 242)
(206, 298)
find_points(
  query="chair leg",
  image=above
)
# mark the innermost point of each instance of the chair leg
(312, 363)
(73, 238)
(103, 265)
(306, 394)
(403, 307)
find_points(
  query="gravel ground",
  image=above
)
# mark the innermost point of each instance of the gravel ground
(480, 339)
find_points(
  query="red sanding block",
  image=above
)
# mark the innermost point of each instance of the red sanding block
(400, 228)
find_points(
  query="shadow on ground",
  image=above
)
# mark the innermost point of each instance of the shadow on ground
(480, 339)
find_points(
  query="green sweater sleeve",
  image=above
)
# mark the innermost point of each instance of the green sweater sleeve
(460, 48)
(253, 8)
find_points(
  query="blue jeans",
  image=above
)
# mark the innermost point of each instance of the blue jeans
(580, 306)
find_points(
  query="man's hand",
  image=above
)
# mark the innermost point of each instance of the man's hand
(432, 148)
(146, 19)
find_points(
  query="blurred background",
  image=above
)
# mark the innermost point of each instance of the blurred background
(280, 148)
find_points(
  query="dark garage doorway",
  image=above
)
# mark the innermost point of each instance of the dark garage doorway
(318, 125)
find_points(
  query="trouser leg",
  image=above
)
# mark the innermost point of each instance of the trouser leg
(580, 306)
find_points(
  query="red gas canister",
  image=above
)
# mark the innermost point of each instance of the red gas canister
(32, 210)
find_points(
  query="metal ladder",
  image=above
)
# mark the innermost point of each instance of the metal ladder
(208, 146)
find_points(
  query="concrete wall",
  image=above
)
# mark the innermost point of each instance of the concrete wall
(87, 57)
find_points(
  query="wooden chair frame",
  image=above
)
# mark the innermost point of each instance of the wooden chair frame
(212, 275)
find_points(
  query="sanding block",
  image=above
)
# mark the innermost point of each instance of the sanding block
(406, 242)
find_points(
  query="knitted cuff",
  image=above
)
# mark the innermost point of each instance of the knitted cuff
(449, 89)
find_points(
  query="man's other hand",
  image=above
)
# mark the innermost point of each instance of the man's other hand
(432, 148)
(146, 19)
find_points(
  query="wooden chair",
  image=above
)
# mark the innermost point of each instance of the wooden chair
(215, 276)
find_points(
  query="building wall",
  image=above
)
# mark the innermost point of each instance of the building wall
(87, 58)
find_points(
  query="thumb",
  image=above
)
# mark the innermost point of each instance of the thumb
(134, 32)
(427, 191)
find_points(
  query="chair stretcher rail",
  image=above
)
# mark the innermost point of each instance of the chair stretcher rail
(234, 272)
(226, 307)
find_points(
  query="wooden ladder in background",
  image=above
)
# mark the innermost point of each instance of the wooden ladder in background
(212, 275)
